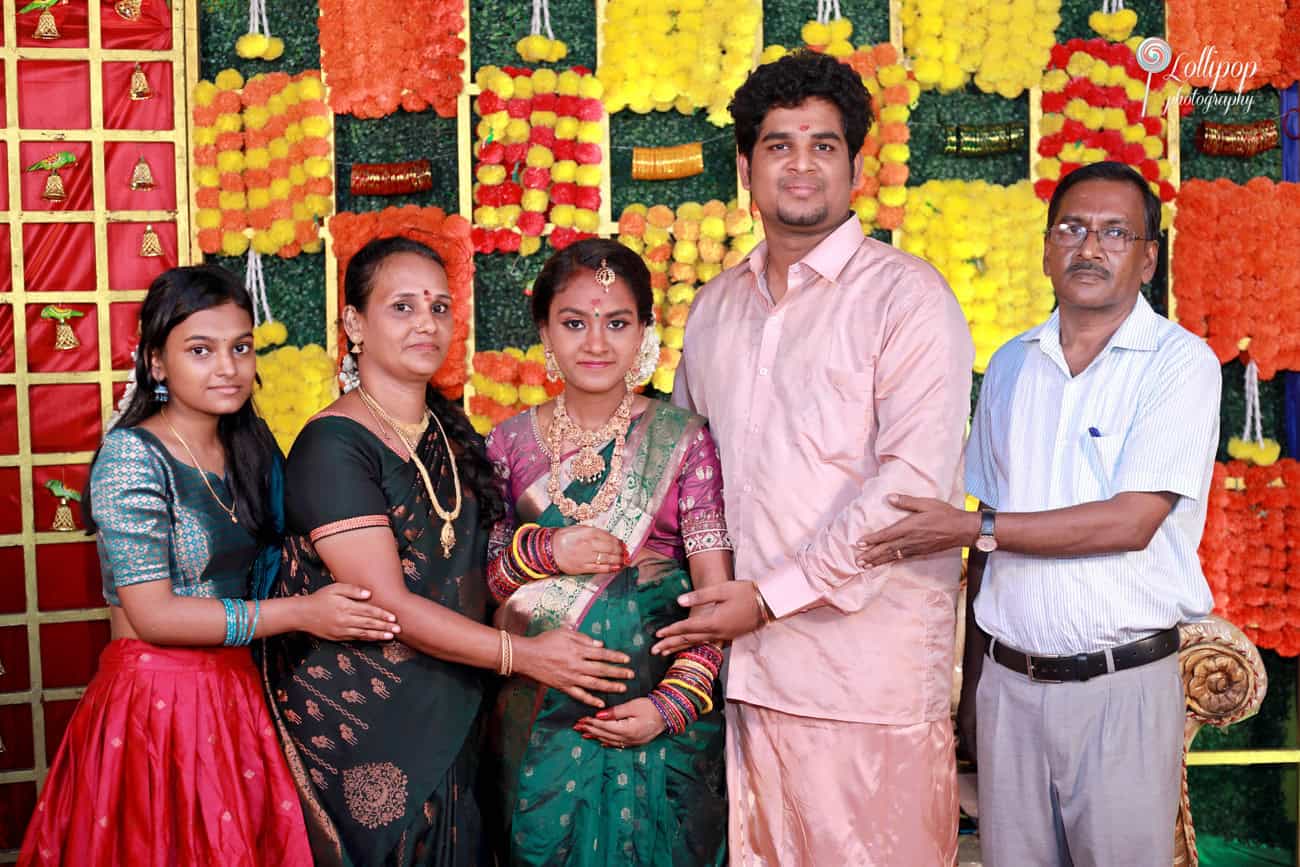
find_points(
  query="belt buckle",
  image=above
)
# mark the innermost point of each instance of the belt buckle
(1029, 668)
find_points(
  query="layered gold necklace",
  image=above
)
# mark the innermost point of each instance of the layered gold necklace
(409, 434)
(588, 465)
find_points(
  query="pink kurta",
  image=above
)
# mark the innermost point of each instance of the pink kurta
(856, 385)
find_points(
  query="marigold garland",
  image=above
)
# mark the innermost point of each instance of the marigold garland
(684, 249)
(881, 193)
(508, 382)
(1207, 33)
(987, 241)
(377, 59)
(1003, 46)
(1246, 303)
(1249, 554)
(449, 236)
(538, 157)
(262, 162)
(682, 56)
(295, 384)
(1092, 111)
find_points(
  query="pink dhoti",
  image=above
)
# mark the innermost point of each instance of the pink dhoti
(808, 792)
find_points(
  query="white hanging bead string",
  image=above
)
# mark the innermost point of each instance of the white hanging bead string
(1253, 430)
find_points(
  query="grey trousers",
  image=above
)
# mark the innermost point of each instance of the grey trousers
(1080, 774)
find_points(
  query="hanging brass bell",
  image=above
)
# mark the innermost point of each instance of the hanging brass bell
(142, 175)
(150, 244)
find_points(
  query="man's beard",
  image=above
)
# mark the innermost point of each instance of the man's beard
(804, 219)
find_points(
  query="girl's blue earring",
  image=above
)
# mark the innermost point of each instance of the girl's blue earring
(160, 393)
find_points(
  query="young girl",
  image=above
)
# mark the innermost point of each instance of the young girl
(171, 757)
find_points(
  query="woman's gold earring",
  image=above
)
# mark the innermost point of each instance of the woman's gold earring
(553, 372)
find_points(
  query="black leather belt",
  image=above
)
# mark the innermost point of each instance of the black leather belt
(1082, 666)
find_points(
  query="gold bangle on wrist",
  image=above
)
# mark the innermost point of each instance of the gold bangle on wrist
(764, 612)
(507, 664)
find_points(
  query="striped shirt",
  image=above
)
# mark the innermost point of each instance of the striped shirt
(1143, 416)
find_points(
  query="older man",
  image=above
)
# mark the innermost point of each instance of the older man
(1091, 453)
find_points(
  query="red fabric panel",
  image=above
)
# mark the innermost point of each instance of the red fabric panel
(152, 30)
(59, 257)
(4, 188)
(122, 112)
(127, 269)
(75, 476)
(13, 590)
(72, 19)
(57, 716)
(7, 359)
(119, 389)
(121, 158)
(65, 418)
(8, 420)
(4, 121)
(6, 270)
(17, 801)
(13, 653)
(67, 576)
(53, 94)
(11, 516)
(16, 730)
(77, 179)
(41, 354)
(70, 652)
(124, 332)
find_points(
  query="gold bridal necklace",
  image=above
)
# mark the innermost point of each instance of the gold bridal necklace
(203, 474)
(402, 430)
(588, 464)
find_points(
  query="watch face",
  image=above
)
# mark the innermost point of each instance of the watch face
(987, 544)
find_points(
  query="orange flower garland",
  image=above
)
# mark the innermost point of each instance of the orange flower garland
(263, 163)
(683, 250)
(219, 165)
(539, 156)
(1241, 33)
(1247, 302)
(377, 59)
(506, 383)
(1248, 551)
(449, 236)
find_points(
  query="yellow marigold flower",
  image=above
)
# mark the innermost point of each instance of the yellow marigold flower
(229, 79)
(233, 244)
(564, 171)
(588, 176)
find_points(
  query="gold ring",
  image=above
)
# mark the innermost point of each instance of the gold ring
(899, 552)
(599, 555)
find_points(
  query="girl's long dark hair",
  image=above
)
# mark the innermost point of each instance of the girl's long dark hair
(251, 450)
(476, 470)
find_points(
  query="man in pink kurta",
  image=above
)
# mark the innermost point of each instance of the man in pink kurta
(834, 370)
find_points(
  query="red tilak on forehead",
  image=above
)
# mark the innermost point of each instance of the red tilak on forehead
(803, 127)
(595, 306)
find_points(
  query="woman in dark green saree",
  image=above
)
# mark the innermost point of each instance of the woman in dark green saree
(390, 488)
(614, 508)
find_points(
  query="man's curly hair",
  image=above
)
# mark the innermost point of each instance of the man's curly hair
(796, 77)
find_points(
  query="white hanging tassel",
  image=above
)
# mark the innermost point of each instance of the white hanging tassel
(541, 19)
(1253, 430)
(255, 283)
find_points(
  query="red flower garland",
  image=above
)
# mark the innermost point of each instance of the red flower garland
(1248, 300)
(1070, 134)
(449, 236)
(538, 159)
(396, 55)
(1249, 553)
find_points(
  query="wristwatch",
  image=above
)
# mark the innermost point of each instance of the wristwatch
(986, 541)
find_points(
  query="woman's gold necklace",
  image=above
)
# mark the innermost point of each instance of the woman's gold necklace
(203, 474)
(588, 465)
(448, 535)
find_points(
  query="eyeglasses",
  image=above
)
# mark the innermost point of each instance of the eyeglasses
(1113, 239)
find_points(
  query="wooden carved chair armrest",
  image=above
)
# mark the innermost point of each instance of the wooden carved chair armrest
(1225, 682)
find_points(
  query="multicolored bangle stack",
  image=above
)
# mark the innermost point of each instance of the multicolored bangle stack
(531, 556)
(239, 627)
(686, 691)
